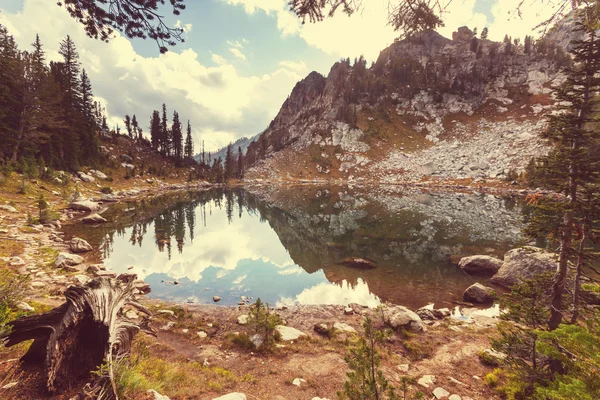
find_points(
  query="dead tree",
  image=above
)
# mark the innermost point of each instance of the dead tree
(77, 337)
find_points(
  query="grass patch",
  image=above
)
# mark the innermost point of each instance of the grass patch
(178, 379)
(11, 248)
(47, 256)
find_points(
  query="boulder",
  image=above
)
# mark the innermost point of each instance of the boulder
(8, 208)
(431, 314)
(93, 219)
(360, 263)
(288, 333)
(243, 319)
(343, 327)
(400, 317)
(84, 205)
(67, 259)
(16, 262)
(322, 329)
(232, 396)
(127, 158)
(79, 245)
(99, 175)
(85, 177)
(257, 340)
(21, 305)
(524, 263)
(440, 393)
(480, 265)
(109, 198)
(157, 396)
(477, 293)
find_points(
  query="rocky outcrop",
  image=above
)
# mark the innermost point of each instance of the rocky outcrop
(400, 317)
(477, 293)
(480, 265)
(428, 89)
(524, 263)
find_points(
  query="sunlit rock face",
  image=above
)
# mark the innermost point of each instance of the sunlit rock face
(424, 92)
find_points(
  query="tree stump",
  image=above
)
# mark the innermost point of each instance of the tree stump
(77, 337)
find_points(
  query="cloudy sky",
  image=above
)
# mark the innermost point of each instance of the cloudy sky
(240, 60)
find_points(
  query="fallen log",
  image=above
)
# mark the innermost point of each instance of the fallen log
(88, 329)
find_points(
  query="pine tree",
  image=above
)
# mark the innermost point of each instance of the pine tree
(177, 138)
(155, 131)
(572, 166)
(127, 122)
(165, 134)
(136, 134)
(229, 163)
(240, 164)
(87, 135)
(484, 33)
(527, 44)
(189, 143)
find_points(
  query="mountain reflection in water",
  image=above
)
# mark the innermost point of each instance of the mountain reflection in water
(284, 244)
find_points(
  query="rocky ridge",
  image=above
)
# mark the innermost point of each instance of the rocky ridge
(429, 106)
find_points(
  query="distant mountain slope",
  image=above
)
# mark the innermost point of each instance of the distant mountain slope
(242, 143)
(465, 108)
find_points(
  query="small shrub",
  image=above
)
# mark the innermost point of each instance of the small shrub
(491, 379)
(106, 190)
(263, 322)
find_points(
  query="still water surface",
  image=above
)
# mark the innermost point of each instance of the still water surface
(284, 244)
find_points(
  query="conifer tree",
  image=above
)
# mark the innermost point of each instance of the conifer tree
(229, 163)
(240, 164)
(127, 122)
(572, 166)
(189, 143)
(135, 128)
(155, 131)
(484, 33)
(177, 138)
(87, 135)
(165, 135)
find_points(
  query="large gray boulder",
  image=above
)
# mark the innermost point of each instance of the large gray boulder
(67, 259)
(477, 293)
(480, 265)
(524, 263)
(85, 205)
(86, 178)
(79, 245)
(400, 317)
(288, 333)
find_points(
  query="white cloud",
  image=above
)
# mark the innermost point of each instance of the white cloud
(507, 21)
(462, 13)
(221, 104)
(294, 66)
(330, 293)
(236, 43)
(218, 59)
(186, 27)
(237, 53)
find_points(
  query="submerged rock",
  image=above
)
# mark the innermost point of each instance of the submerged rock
(524, 263)
(400, 317)
(480, 265)
(93, 219)
(360, 263)
(477, 293)
(216, 299)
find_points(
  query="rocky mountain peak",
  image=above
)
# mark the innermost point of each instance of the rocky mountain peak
(422, 91)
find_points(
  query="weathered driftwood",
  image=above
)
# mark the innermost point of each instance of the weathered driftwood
(77, 337)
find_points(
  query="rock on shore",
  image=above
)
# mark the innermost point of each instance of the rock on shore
(524, 263)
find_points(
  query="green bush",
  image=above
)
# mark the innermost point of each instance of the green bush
(263, 322)
(106, 190)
